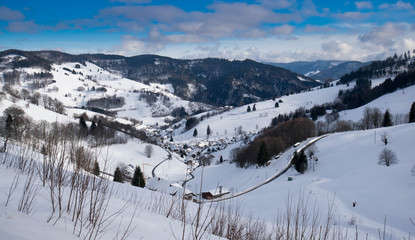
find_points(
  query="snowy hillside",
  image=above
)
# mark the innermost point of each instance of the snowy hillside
(341, 176)
(224, 125)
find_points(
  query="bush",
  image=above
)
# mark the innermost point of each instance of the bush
(387, 157)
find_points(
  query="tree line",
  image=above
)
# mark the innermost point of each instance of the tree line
(274, 140)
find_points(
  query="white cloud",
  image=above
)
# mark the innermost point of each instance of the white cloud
(322, 29)
(383, 35)
(337, 48)
(132, 1)
(131, 45)
(363, 5)
(283, 30)
(399, 5)
(23, 26)
(277, 4)
(6, 14)
(354, 16)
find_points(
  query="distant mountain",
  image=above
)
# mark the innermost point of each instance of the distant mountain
(338, 71)
(24, 60)
(322, 69)
(211, 80)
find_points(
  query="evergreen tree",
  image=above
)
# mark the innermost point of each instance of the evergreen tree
(262, 155)
(208, 131)
(93, 127)
(254, 108)
(9, 130)
(195, 133)
(300, 161)
(412, 113)
(83, 130)
(221, 159)
(138, 178)
(9, 124)
(82, 122)
(387, 122)
(248, 109)
(274, 122)
(276, 104)
(43, 150)
(118, 175)
(95, 170)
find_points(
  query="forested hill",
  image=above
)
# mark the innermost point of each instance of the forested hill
(211, 80)
(390, 66)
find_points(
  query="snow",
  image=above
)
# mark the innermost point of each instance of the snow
(347, 170)
(261, 118)
(312, 73)
(398, 102)
(302, 79)
(16, 225)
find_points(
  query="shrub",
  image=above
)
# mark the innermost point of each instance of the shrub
(387, 157)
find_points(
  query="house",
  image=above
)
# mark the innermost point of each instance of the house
(128, 170)
(215, 193)
(207, 195)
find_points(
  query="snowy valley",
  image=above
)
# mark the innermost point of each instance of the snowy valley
(187, 152)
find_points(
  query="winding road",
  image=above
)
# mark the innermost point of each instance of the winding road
(311, 142)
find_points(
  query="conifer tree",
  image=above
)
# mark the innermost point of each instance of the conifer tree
(118, 175)
(254, 108)
(82, 122)
(9, 130)
(95, 170)
(276, 104)
(387, 122)
(208, 131)
(262, 155)
(412, 113)
(300, 161)
(138, 178)
(83, 130)
(195, 133)
(248, 109)
(43, 150)
(93, 127)
(221, 159)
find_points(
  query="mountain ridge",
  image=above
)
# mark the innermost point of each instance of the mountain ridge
(213, 81)
(323, 69)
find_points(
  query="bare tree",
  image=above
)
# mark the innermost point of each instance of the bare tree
(385, 138)
(148, 150)
(387, 157)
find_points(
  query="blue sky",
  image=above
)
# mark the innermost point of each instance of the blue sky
(263, 30)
